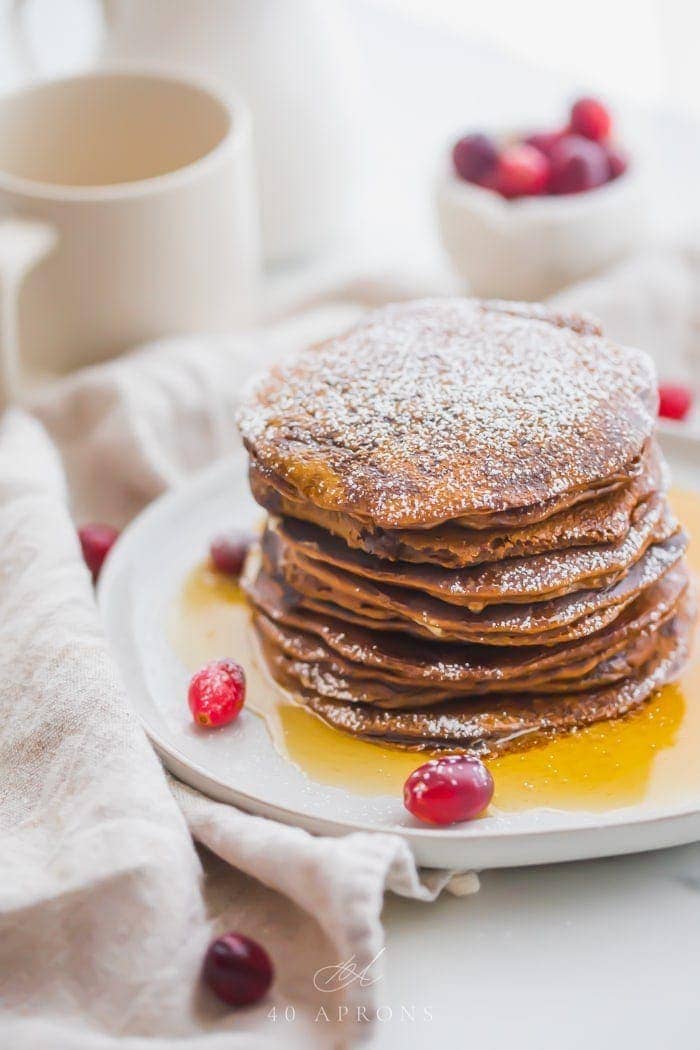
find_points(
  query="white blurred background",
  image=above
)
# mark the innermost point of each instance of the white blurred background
(430, 69)
(644, 50)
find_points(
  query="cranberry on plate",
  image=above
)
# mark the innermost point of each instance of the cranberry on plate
(447, 790)
(237, 969)
(96, 541)
(228, 552)
(217, 693)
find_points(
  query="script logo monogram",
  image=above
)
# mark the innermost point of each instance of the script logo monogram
(340, 975)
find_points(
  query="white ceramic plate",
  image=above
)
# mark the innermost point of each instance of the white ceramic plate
(240, 765)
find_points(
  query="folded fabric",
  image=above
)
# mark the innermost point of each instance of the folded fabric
(650, 300)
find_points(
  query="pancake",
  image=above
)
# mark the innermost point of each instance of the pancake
(339, 680)
(600, 519)
(403, 657)
(387, 607)
(303, 659)
(446, 409)
(514, 518)
(513, 580)
(491, 724)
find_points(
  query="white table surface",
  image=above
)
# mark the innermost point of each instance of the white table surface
(602, 954)
(599, 954)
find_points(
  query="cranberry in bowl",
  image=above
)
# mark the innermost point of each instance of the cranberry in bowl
(524, 213)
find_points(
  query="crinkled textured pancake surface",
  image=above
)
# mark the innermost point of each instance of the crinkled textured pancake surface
(494, 723)
(386, 607)
(339, 680)
(538, 576)
(513, 518)
(315, 667)
(432, 410)
(443, 663)
(598, 519)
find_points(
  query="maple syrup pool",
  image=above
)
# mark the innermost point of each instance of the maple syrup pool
(651, 756)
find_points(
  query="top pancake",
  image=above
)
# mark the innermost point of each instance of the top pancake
(437, 409)
(606, 519)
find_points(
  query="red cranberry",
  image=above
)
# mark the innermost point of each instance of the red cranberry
(96, 542)
(674, 400)
(474, 157)
(217, 693)
(446, 790)
(228, 552)
(545, 141)
(590, 118)
(577, 165)
(618, 162)
(237, 969)
(522, 171)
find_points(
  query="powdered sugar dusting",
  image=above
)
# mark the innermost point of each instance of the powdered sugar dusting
(431, 409)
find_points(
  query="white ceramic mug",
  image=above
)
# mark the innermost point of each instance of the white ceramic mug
(145, 186)
(294, 62)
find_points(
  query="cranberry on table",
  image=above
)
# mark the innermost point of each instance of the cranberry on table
(96, 542)
(522, 171)
(228, 552)
(237, 969)
(590, 118)
(448, 790)
(217, 693)
(675, 401)
(475, 157)
(577, 165)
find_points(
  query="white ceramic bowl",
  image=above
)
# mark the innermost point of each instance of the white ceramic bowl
(531, 247)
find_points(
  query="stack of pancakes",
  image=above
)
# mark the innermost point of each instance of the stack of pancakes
(468, 542)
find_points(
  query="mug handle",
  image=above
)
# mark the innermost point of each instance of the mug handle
(23, 244)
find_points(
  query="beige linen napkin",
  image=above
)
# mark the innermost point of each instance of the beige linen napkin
(105, 906)
(650, 300)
